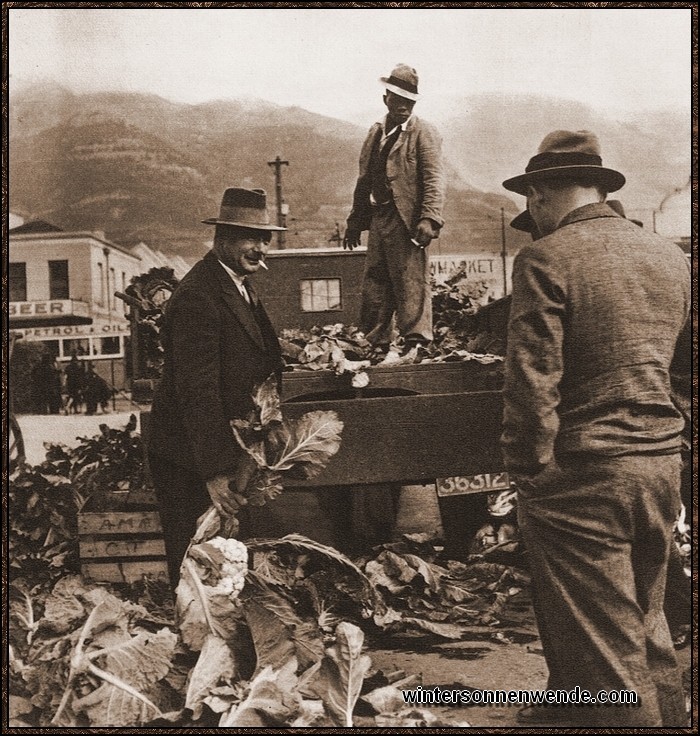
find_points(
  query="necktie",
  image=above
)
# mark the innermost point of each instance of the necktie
(388, 143)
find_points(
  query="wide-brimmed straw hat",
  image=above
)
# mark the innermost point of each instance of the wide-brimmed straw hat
(244, 208)
(566, 154)
(402, 81)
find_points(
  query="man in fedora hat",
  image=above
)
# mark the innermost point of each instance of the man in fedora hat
(399, 198)
(219, 343)
(592, 436)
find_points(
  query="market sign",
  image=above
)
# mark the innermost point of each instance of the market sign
(486, 268)
(55, 308)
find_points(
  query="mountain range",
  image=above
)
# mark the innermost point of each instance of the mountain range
(496, 136)
(141, 168)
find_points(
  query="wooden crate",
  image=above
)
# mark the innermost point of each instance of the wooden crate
(121, 546)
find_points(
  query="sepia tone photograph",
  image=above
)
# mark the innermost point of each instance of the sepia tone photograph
(349, 367)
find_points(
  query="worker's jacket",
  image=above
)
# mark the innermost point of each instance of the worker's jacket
(415, 172)
(598, 307)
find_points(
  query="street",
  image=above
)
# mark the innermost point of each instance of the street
(61, 429)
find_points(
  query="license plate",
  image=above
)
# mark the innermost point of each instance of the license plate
(462, 485)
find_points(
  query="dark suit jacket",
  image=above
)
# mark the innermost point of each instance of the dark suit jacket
(217, 348)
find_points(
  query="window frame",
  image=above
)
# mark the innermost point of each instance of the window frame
(64, 294)
(326, 280)
(10, 280)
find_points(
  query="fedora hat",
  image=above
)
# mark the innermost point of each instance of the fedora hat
(244, 208)
(563, 154)
(402, 81)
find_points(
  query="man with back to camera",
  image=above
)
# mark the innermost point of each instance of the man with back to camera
(219, 343)
(592, 437)
(399, 197)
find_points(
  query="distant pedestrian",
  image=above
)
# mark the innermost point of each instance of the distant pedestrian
(75, 382)
(55, 380)
(46, 386)
(96, 391)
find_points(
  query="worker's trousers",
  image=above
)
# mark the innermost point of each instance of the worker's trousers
(598, 532)
(396, 281)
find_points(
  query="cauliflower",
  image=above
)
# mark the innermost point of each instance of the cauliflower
(360, 380)
(234, 568)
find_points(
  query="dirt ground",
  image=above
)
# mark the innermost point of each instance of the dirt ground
(492, 658)
(508, 656)
(502, 658)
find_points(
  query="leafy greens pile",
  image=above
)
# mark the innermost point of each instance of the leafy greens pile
(147, 295)
(106, 471)
(421, 595)
(343, 349)
(90, 659)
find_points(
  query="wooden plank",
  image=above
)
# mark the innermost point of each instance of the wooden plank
(421, 378)
(119, 522)
(430, 378)
(125, 572)
(410, 439)
(122, 548)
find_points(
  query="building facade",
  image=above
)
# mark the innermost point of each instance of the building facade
(305, 287)
(62, 293)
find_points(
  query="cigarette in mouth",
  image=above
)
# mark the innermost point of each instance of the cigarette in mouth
(264, 265)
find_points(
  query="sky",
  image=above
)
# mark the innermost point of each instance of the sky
(329, 60)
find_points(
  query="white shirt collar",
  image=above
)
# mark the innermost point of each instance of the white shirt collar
(238, 280)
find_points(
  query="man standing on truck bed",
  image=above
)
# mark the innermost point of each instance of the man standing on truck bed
(399, 198)
(592, 436)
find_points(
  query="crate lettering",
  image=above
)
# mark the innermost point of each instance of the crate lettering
(116, 523)
(128, 524)
(122, 546)
(125, 572)
(117, 548)
(90, 547)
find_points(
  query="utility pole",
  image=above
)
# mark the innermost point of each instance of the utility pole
(504, 252)
(282, 208)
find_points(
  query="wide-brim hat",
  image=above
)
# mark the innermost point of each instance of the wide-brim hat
(245, 208)
(402, 81)
(563, 154)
